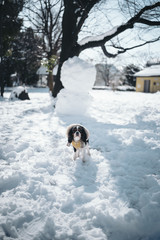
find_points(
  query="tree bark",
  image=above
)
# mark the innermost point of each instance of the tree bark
(70, 47)
(50, 81)
(2, 88)
(58, 84)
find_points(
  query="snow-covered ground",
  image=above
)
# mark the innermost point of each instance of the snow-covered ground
(114, 195)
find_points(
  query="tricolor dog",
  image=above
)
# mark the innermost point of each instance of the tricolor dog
(78, 136)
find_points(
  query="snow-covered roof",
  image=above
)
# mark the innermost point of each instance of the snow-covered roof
(42, 70)
(149, 72)
(13, 75)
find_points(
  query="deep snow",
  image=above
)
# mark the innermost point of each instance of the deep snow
(114, 195)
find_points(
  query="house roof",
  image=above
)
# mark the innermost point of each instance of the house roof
(149, 72)
(42, 70)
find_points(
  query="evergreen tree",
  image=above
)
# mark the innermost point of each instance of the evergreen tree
(10, 24)
(26, 55)
(129, 72)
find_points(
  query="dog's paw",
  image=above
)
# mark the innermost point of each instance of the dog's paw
(74, 156)
(68, 144)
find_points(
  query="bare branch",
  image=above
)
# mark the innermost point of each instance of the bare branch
(45, 17)
(84, 15)
(123, 50)
(148, 22)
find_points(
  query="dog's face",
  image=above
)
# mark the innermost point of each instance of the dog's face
(77, 133)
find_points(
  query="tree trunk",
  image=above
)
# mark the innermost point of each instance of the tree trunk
(58, 84)
(1, 79)
(69, 41)
(50, 81)
(2, 89)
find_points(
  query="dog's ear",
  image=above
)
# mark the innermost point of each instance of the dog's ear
(83, 135)
(70, 135)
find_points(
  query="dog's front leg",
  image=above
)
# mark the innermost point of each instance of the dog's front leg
(83, 154)
(76, 154)
(87, 148)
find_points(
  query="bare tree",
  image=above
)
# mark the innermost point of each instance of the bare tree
(75, 14)
(45, 17)
(106, 74)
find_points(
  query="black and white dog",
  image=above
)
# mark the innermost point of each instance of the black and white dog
(78, 136)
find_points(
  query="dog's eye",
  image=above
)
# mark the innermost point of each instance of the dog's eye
(80, 130)
(74, 130)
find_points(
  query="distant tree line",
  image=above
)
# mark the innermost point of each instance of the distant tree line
(109, 75)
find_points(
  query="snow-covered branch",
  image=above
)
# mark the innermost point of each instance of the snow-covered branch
(100, 37)
(99, 41)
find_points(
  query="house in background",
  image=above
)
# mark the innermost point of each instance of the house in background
(43, 74)
(148, 80)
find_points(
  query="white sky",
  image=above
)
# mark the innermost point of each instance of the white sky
(137, 56)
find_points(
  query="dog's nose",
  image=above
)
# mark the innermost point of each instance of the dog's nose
(77, 133)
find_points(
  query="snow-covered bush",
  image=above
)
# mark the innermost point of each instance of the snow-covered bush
(20, 93)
